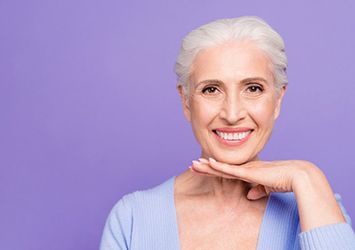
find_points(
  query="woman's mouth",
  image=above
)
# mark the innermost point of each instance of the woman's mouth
(232, 138)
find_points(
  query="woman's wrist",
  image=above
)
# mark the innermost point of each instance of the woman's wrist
(316, 203)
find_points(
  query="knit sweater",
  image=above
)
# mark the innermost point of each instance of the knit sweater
(146, 220)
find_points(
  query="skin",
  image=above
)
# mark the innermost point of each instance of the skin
(232, 86)
(236, 72)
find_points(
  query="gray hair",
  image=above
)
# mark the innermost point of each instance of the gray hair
(234, 29)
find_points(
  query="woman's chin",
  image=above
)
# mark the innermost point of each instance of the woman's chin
(231, 156)
(235, 160)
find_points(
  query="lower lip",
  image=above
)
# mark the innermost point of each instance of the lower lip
(234, 142)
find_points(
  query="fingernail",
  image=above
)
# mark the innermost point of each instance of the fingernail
(203, 160)
(211, 159)
(196, 162)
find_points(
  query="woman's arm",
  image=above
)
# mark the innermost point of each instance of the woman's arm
(332, 236)
(322, 220)
(316, 202)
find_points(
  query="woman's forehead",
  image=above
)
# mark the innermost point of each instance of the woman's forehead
(231, 62)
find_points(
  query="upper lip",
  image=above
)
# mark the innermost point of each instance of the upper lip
(233, 130)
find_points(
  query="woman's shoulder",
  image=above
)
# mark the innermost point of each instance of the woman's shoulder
(135, 213)
(156, 193)
(141, 200)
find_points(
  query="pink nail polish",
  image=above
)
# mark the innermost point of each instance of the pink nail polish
(203, 160)
(211, 159)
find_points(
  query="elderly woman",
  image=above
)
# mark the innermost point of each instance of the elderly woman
(232, 78)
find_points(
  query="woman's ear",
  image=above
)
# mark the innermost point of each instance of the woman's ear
(279, 101)
(184, 102)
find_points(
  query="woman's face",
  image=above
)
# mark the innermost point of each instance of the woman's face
(232, 103)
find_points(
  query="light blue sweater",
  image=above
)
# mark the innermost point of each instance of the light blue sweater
(146, 220)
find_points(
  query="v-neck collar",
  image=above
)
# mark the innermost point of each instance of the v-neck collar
(262, 237)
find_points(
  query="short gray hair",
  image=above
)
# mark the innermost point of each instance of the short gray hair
(221, 31)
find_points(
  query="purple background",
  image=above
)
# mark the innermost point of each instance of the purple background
(89, 109)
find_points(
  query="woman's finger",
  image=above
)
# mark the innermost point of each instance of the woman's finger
(198, 172)
(206, 168)
(257, 192)
(276, 176)
(243, 172)
(254, 172)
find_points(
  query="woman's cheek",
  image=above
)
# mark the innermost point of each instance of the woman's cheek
(206, 109)
(264, 104)
(263, 111)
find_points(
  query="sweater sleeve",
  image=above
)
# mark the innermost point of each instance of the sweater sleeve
(117, 231)
(333, 236)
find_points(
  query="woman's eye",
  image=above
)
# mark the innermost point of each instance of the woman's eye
(255, 89)
(209, 90)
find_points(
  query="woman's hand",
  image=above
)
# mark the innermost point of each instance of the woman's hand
(270, 176)
(317, 205)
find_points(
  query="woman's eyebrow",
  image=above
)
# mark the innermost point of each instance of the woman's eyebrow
(210, 81)
(219, 82)
(253, 79)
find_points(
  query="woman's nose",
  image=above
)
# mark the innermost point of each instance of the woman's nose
(233, 110)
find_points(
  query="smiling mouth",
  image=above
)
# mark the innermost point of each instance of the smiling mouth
(232, 136)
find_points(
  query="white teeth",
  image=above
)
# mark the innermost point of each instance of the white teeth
(233, 136)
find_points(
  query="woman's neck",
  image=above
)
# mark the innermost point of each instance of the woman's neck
(221, 189)
(193, 184)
